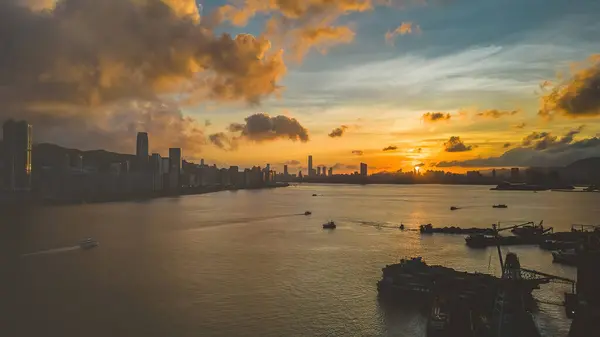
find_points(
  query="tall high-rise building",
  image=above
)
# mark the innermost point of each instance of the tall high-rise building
(514, 174)
(202, 162)
(174, 168)
(324, 171)
(363, 169)
(156, 167)
(141, 149)
(318, 171)
(285, 170)
(310, 167)
(17, 141)
(330, 173)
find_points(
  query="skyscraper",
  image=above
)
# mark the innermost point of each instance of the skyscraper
(363, 169)
(310, 168)
(17, 142)
(324, 171)
(318, 170)
(285, 170)
(174, 168)
(330, 173)
(141, 150)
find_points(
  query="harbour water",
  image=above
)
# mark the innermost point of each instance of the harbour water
(250, 263)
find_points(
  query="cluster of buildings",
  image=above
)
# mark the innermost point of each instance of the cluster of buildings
(50, 172)
(323, 171)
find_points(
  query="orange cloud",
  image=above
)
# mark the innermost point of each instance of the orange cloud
(577, 97)
(403, 29)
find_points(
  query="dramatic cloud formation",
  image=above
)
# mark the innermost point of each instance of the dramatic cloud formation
(420, 165)
(338, 132)
(262, 127)
(403, 29)
(454, 144)
(292, 162)
(357, 152)
(258, 128)
(577, 97)
(544, 140)
(541, 149)
(493, 113)
(390, 148)
(352, 167)
(432, 117)
(78, 64)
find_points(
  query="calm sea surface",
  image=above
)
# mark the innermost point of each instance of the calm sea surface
(247, 263)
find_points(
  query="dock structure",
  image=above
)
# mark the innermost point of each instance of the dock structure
(584, 306)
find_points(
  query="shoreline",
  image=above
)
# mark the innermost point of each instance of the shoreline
(25, 200)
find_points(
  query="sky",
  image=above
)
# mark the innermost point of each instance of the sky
(452, 84)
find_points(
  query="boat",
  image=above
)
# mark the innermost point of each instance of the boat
(453, 208)
(314, 195)
(529, 229)
(557, 245)
(565, 256)
(500, 206)
(307, 213)
(88, 243)
(329, 225)
(401, 227)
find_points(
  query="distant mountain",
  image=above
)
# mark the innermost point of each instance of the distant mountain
(589, 164)
(46, 154)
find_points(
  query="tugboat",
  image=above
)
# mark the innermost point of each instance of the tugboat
(329, 225)
(88, 243)
(307, 213)
(314, 195)
(454, 208)
(401, 227)
(500, 206)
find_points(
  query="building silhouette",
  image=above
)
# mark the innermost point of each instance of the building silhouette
(141, 149)
(17, 142)
(310, 166)
(174, 169)
(330, 173)
(285, 170)
(514, 174)
(318, 170)
(363, 169)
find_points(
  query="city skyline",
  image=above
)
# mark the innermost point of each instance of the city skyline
(397, 87)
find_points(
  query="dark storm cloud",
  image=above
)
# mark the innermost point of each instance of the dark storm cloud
(454, 144)
(390, 148)
(357, 152)
(338, 132)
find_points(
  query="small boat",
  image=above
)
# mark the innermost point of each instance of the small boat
(454, 208)
(88, 243)
(565, 256)
(500, 206)
(401, 227)
(307, 213)
(329, 225)
(314, 195)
